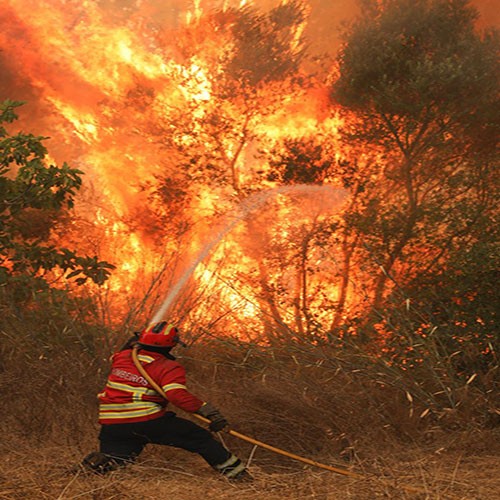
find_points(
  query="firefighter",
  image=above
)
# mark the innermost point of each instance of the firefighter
(132, 414)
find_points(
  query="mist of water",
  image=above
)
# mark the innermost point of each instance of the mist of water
(333, 196)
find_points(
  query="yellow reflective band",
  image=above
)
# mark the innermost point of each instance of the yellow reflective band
(128, 414)
(146, 359)
(234, 472)
(137, 392)
(126, 406)
(171, 387)
(230, 461)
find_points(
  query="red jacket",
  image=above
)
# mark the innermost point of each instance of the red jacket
(128, 397)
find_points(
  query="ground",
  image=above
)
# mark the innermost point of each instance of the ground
(31, 470)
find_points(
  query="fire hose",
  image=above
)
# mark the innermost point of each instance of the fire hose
(251, 440)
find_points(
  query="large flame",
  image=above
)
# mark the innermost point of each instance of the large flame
(100, 78)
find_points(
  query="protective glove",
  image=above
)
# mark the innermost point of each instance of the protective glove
(217, 421)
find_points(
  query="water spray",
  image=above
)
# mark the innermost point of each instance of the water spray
(336, 196)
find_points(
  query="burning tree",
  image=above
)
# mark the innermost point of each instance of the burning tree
(421, 85)
(242, 81)
(246, 79)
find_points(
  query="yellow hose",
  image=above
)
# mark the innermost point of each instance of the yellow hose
(337, 470)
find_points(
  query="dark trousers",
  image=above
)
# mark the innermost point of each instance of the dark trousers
(124, 442)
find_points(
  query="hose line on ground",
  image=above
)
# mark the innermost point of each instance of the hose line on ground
(279, 451)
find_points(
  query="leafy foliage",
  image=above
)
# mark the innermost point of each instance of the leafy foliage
(32, 196)
(303, 161)
(422, 84)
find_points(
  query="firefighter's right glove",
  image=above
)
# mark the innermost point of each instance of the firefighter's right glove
(217, 421)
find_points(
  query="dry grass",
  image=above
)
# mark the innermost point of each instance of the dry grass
(38, 472)
(329, 415)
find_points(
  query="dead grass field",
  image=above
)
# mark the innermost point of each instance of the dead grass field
(49, 412)
(30, 471)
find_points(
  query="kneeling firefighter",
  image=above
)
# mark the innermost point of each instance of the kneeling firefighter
(132, 414)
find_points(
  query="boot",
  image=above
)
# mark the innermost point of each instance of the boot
(99, 463)
(233, 469)
(242, 477)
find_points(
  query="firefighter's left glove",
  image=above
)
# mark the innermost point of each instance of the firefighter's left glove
(217, 421)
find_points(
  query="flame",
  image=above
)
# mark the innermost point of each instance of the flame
(105, 83)
(85, 125)
(198, 87)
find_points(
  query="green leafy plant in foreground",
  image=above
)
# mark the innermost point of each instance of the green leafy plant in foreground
(32, 196)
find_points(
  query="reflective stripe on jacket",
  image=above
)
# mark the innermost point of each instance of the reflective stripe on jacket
(128, 397)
